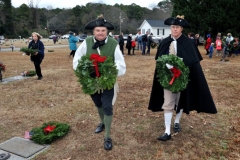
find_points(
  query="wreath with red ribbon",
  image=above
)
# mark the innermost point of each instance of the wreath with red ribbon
(96, 73)
(29, 73)
(172, 73)
(2, 67)
(49, 132)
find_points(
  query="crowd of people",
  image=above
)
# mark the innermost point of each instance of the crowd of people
(226, 46)
(222, 46)
(140, 42)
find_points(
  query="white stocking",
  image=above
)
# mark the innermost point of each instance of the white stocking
(168, 118)
(178, 116)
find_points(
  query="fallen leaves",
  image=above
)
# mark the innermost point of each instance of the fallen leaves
(159, 153)
(190, 126)
(174, 134)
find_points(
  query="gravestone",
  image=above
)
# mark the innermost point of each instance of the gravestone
(20, 147)
(15, 78)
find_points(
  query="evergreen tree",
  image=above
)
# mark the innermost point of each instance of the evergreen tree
(209, 16)
(7, 20)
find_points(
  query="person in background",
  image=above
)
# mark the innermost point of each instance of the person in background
(196, 96)
(139, 40)
(102, 44)
(196, 39)
(54, 39)
(227, 46)
(219, 45)
(72, 43)
(12, 47)
(219, 35)
(208, 43)
(149, 42)
(229, 38)
(211, 50)
(39, 55)
(133, 44)
(129, 44)
(235, 47)
(2, 68)
(121, 42)
(191, 36)
(144, 43)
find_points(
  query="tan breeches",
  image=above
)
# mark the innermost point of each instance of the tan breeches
(170, 100)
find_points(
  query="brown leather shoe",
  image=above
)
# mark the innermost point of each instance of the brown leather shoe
(100, 128)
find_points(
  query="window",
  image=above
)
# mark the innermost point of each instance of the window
(160, 31)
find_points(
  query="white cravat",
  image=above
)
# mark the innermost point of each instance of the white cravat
(172, 48)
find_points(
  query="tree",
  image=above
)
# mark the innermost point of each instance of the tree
(22, 16)
(6, 17)
(78, 12)
(44, 20)
(166, 6)
(34, 11)
(209, 16)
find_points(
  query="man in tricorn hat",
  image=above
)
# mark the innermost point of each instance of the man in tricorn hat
(102, 44)
(196, 96)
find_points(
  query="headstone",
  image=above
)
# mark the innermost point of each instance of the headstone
(15, 78)
(22, 147)
(12, 156)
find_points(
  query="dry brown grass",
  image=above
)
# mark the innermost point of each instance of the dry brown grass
(28, 103)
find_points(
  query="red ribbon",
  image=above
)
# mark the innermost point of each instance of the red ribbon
(97, 59)
(2, 67)
(49, 129)
(176, 73)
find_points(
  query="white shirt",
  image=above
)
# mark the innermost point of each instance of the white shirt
(118, 57)
(229, 39)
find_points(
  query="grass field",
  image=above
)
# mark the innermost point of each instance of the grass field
(29, 103)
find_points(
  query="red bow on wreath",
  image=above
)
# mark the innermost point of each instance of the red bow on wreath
(2, 67)
(176, 73)
(49, 129)
(97, 59)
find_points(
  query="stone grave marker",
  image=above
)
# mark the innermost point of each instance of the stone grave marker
(21, 148)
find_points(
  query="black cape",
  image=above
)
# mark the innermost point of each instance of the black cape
(197, 95)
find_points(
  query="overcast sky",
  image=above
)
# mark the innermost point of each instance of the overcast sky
(73, 3)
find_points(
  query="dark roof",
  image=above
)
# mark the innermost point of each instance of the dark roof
(156, 23)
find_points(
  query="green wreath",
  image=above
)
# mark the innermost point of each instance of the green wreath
(92, 84)
(31, 73)
(28, 51)
(165, 75)
(49, 132)
(153, 45)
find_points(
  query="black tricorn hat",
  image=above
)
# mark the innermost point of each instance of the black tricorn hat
(99, 22)
(179, 20)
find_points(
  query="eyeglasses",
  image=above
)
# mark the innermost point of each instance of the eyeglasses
(175, 27)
